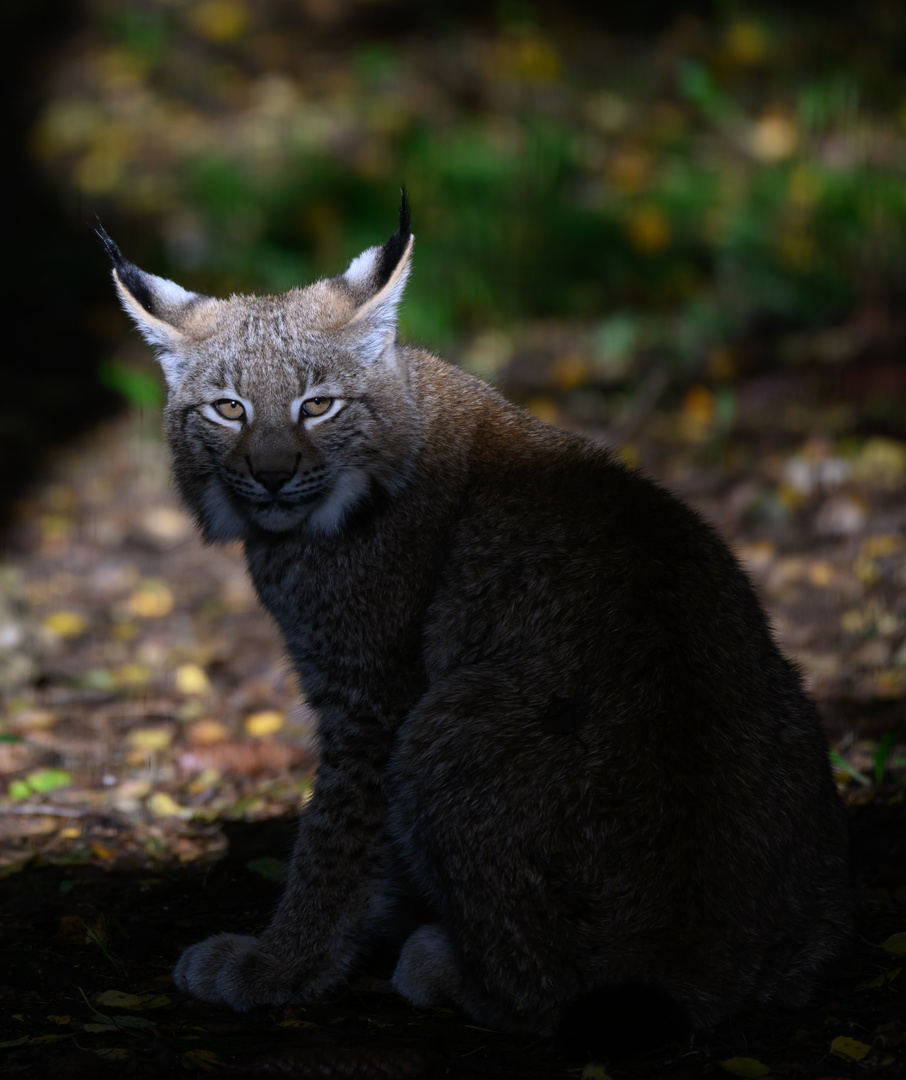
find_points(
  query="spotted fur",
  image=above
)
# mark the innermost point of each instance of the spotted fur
(548, 699)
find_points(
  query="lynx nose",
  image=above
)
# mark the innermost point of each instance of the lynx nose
(273, 479)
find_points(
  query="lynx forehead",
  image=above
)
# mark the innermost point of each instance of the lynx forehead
(549, 703)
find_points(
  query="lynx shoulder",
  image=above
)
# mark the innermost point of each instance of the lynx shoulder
(549, 702)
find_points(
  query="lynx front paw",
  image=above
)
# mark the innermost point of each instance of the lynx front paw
(232, 969)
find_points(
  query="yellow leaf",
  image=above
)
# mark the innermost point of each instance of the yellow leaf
(594, 1070)
(54, 527)
(151, 600)
(879, 980)
(746, 42)
(220, 20)
(649, 230)
(160, 804)
(191, 679)
(116, 999)
(896, 944)
(745, 1066)
(264, 723)
(543, 408)
(203, 1059)
(132, 675)
(71, 832)
(699, 405)
(66, 1019)
(125, 631)
(867, 571)
(66, 624)
(850, 1049)
(570, 370)
(628, 453)
(773, 137)
(150, 738)
(103, 852)
(880, 547)
(166, 524)
(821, 574)
(207, 731)
(881, 461)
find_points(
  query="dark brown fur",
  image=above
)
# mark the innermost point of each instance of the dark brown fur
(549, 700)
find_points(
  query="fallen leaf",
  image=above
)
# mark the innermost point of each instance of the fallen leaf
(117, 999)
(132, 675)
(160, 804)
(191, 679)
(112, 1053)
(896, 943)
(203, 1059)
(152, 600)
(65, 1019)
(268, 867)
(745, 1066)
(245, 758)
(65, 624)
(594, 1070)
(207, 731)
(260, 724)
(150, 738)
(166, 524)
(879, 980)
(880, 547)
(44, 780)
(850, 1049)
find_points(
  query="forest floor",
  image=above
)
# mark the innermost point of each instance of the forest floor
(154, 749)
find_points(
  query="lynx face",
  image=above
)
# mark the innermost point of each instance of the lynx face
(294, 443)
(283, 412)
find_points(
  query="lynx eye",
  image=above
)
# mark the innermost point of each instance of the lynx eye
(316, 406)
(230, 410)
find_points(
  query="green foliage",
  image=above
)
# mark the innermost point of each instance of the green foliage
(882, 754)
(696, 184)
(137, 386)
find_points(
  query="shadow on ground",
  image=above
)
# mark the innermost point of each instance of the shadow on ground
(86, 990)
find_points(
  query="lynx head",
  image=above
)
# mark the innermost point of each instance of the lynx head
(283, 412)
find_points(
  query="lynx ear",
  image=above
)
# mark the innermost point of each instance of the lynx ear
(169, 317)
(376, 280)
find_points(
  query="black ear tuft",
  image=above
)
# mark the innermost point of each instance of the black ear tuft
(113, 252)
(128, 272)
(394, 249)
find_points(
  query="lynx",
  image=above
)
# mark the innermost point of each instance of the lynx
(548, 700)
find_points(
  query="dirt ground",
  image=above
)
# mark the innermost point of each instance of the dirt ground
(154, 749)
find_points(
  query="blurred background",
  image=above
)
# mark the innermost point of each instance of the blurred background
(702, 185)
(677, 227)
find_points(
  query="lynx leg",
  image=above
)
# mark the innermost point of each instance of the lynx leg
(428, 972)
(491, 861)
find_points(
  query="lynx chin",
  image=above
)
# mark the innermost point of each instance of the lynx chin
(550, 706)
